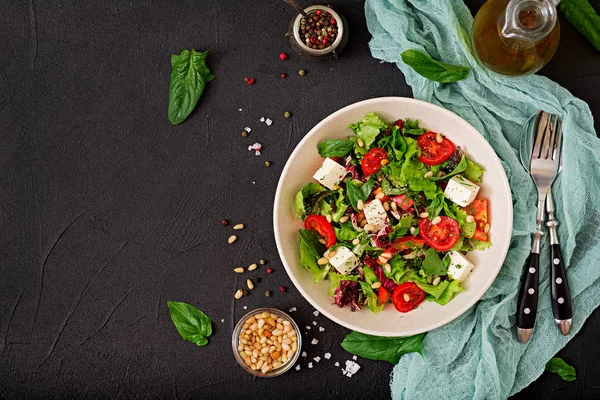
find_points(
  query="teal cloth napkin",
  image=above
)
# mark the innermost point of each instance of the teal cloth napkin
(478, 355)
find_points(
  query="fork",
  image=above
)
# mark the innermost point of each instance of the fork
(543, 166)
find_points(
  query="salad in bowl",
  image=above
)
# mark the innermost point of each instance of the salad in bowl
(391, 216)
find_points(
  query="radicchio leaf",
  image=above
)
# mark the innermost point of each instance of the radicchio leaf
(347, 293)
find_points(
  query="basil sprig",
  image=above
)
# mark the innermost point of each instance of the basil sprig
(192, 324)
(558, 366)
(355, 194)
(583, 17)
(335, 148)
(189, 76)
(381, 347)
(433, 69)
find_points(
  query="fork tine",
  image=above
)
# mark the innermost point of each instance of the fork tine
(546, 144)
(552, 138)
(557, 150)
(539, 137)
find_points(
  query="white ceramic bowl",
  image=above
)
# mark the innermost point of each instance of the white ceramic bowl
(305, 160)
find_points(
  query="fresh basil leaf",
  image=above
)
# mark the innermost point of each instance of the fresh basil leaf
(558, 366)
(435, 207)
(583, 17)
(366, 188)
(189, 76)
(382, 348)
(473, 172)
(309, 190)
(368, 128)
(311, 239)
(355, 194)
(335, 148)
(398, 143)
(433, 69)
(434, 291)
(192, 324)
(448, 294)
(432, 264)
(345, 232)
(461, 167)
(309, 261)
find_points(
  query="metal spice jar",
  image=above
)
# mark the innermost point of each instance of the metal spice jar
(321, 35)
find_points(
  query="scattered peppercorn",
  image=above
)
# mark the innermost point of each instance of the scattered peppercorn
(287, 114)
(246, 292)
(283, 76)
(262, 262)
(244, 133)
(269, 270)
(267, 164)
(250, 81)
(282, 289)
(302, 72)
(319, 30)
(268, 293)
(282, 56)
(224, 222)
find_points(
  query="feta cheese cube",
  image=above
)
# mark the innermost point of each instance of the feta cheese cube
(375, 214)
(344, 260)
(461, 191)
(460, 267)
(330, 173)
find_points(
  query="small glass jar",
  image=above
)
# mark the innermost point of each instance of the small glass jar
(330, 52)
(237, 332)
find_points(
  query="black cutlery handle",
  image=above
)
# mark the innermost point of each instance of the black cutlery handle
(561, 298)
(528, 297)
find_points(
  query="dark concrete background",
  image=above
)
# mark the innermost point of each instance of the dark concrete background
(108, 210)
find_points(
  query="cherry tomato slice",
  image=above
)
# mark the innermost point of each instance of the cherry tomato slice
(442, 236)
(384, 295)
(319, 224)
(481, 236)
(478, 209)
(432, 152)
(371, 162)
(415, 296)
(404, 202)
(408, 242)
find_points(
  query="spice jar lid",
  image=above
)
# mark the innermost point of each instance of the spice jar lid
(319, 54)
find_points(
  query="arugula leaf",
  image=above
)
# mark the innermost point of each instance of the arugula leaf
(558, 366)
(189, 76)
(473, 171)
(335, 148)
(382, 348)
(433, 69)
(311, 239)
(192, 324)
(583, 17)
(461, 167)
(309, 190)
(345, 232)
(432, 264)
(355, 193)
(368, 128)
(453, 287)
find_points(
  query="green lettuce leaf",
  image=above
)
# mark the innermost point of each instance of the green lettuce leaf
(473, 172)
(368, 128)
(309, 190)
(452, 288)
(345, 232)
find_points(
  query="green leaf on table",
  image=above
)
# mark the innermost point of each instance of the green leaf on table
(335, 148)
(433, 264)
(381, 347)
(433, 69)
(189, 76)
(583, 17)
(473, 172)
(558, 366)
(192, 324)
(309, 190)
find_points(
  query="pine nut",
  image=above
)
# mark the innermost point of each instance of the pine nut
(487, 228)
(265, 369)
(409, 256)
(412, 230)
(470, 218)
(394, 206)
(252, 267)
(429, 279)
(277, 364)
(239, 270)
(344, 219)
(360, 204)
(337, 187)
(250, 284)
(331, 254)
(387, 255)
(378, 190)
(382, 260)
(238, 227)
(380, 196)
(239, 294)
(232, 239)
(261, 323)
(424, 214)
(429, 174)
(363, 223)
(436, 220)
(286, 347)
(322, 241)
(369, 227)
(356, 242)
(439, 138)
(323, 261)
(360, 142)
(436, 281)
(440, 174)
(376, 285)
(388, 268)
(406, 297)
(328, 217)
(386, 206)
(385, 162)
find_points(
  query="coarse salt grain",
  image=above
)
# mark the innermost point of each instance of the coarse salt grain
(247, 129)
(298, 367)
(239, 109)
(245, 307)
(307, 327)
(262, 119)
(222, 320)
(303, 354)
(321, 329)
(354, 358)
(316, 313)
(314, 341)
(309, 365)
(351, 368)
(293, 309)
(337, 364)
(315, 323)
(268, 121)
(327, 356)
(317, 358)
